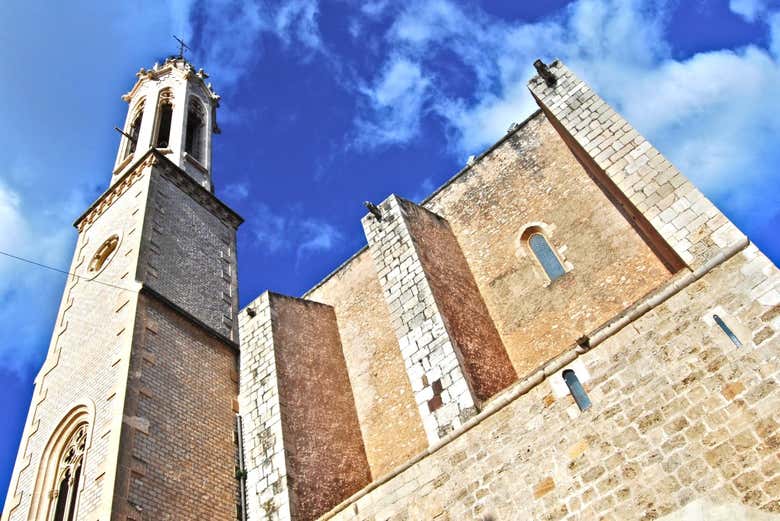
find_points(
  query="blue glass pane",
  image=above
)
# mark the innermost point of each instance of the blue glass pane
(550, 263)
(726, 329)
(576, 389)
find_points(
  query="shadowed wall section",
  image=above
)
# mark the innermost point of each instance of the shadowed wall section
(484, 358)
(310, 397)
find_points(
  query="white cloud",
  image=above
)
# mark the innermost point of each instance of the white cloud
(317, 237)
(29, 295)
(774, 33)
(748, 9)
(235, 192)
(229, 33)
(298, 19)
(277, 232)
(394, 105)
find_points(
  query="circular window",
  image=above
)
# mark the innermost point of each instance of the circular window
(103, 254)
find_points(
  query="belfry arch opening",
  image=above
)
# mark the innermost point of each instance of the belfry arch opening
(134, 130)
(194, 142)
(164, 119)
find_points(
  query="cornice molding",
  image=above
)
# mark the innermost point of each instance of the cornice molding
(171, 67)
(107, 198)
(202, 196)
(170, 171)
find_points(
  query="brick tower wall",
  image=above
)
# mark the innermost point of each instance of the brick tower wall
(88, 357)
(188, 254)
(179, 447)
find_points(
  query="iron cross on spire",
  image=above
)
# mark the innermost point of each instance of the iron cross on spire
(182, 46)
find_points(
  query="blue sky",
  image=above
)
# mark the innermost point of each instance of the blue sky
(328, 104)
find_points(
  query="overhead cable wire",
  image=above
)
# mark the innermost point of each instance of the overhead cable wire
(64, 272)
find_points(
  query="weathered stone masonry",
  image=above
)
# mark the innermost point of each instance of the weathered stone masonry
(301, 433)
(678, 413)
(423, 378)
(452, 351)
(668, 432)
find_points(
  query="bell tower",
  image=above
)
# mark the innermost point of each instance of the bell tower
(173, 110)
(133, 415)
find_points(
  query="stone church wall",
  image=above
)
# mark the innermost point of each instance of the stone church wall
(388, 415)
(532, 179)
(324, 449)
(303, 446)
(679, 412)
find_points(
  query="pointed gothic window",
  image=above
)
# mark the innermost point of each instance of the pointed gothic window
(164, 118)
(546, 256)
(65, 495)
(134, 131)
(103, 253)
(193, 143)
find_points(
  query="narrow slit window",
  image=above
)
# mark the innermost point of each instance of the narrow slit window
(546, 256)
(726, 329)
(576, 389)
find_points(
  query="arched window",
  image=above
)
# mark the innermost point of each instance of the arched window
(545, 255)
(193, 143)
(576, 389)
(65, 494)
(134, 131)
(164, 117)
(103, 253)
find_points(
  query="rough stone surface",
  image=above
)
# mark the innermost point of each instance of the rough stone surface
(532, 179)
(431, 355)
(659, 435)
(325, 460)
(686, 220)
(385, 405)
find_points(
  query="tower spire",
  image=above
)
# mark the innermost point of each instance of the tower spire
(173, 109)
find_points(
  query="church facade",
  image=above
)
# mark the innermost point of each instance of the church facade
(567, 329)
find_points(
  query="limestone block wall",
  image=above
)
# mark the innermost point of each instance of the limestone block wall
(189, 249)
(178, 443)
(484, 357)
(679, 413)
(88, 358)
(324, 456)
(433, 363)
(267, 489)
(647, 184)
(531, 178)
(386, 409)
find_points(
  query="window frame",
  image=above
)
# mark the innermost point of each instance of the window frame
(166, 99)
(196, 108)
(543, 230)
